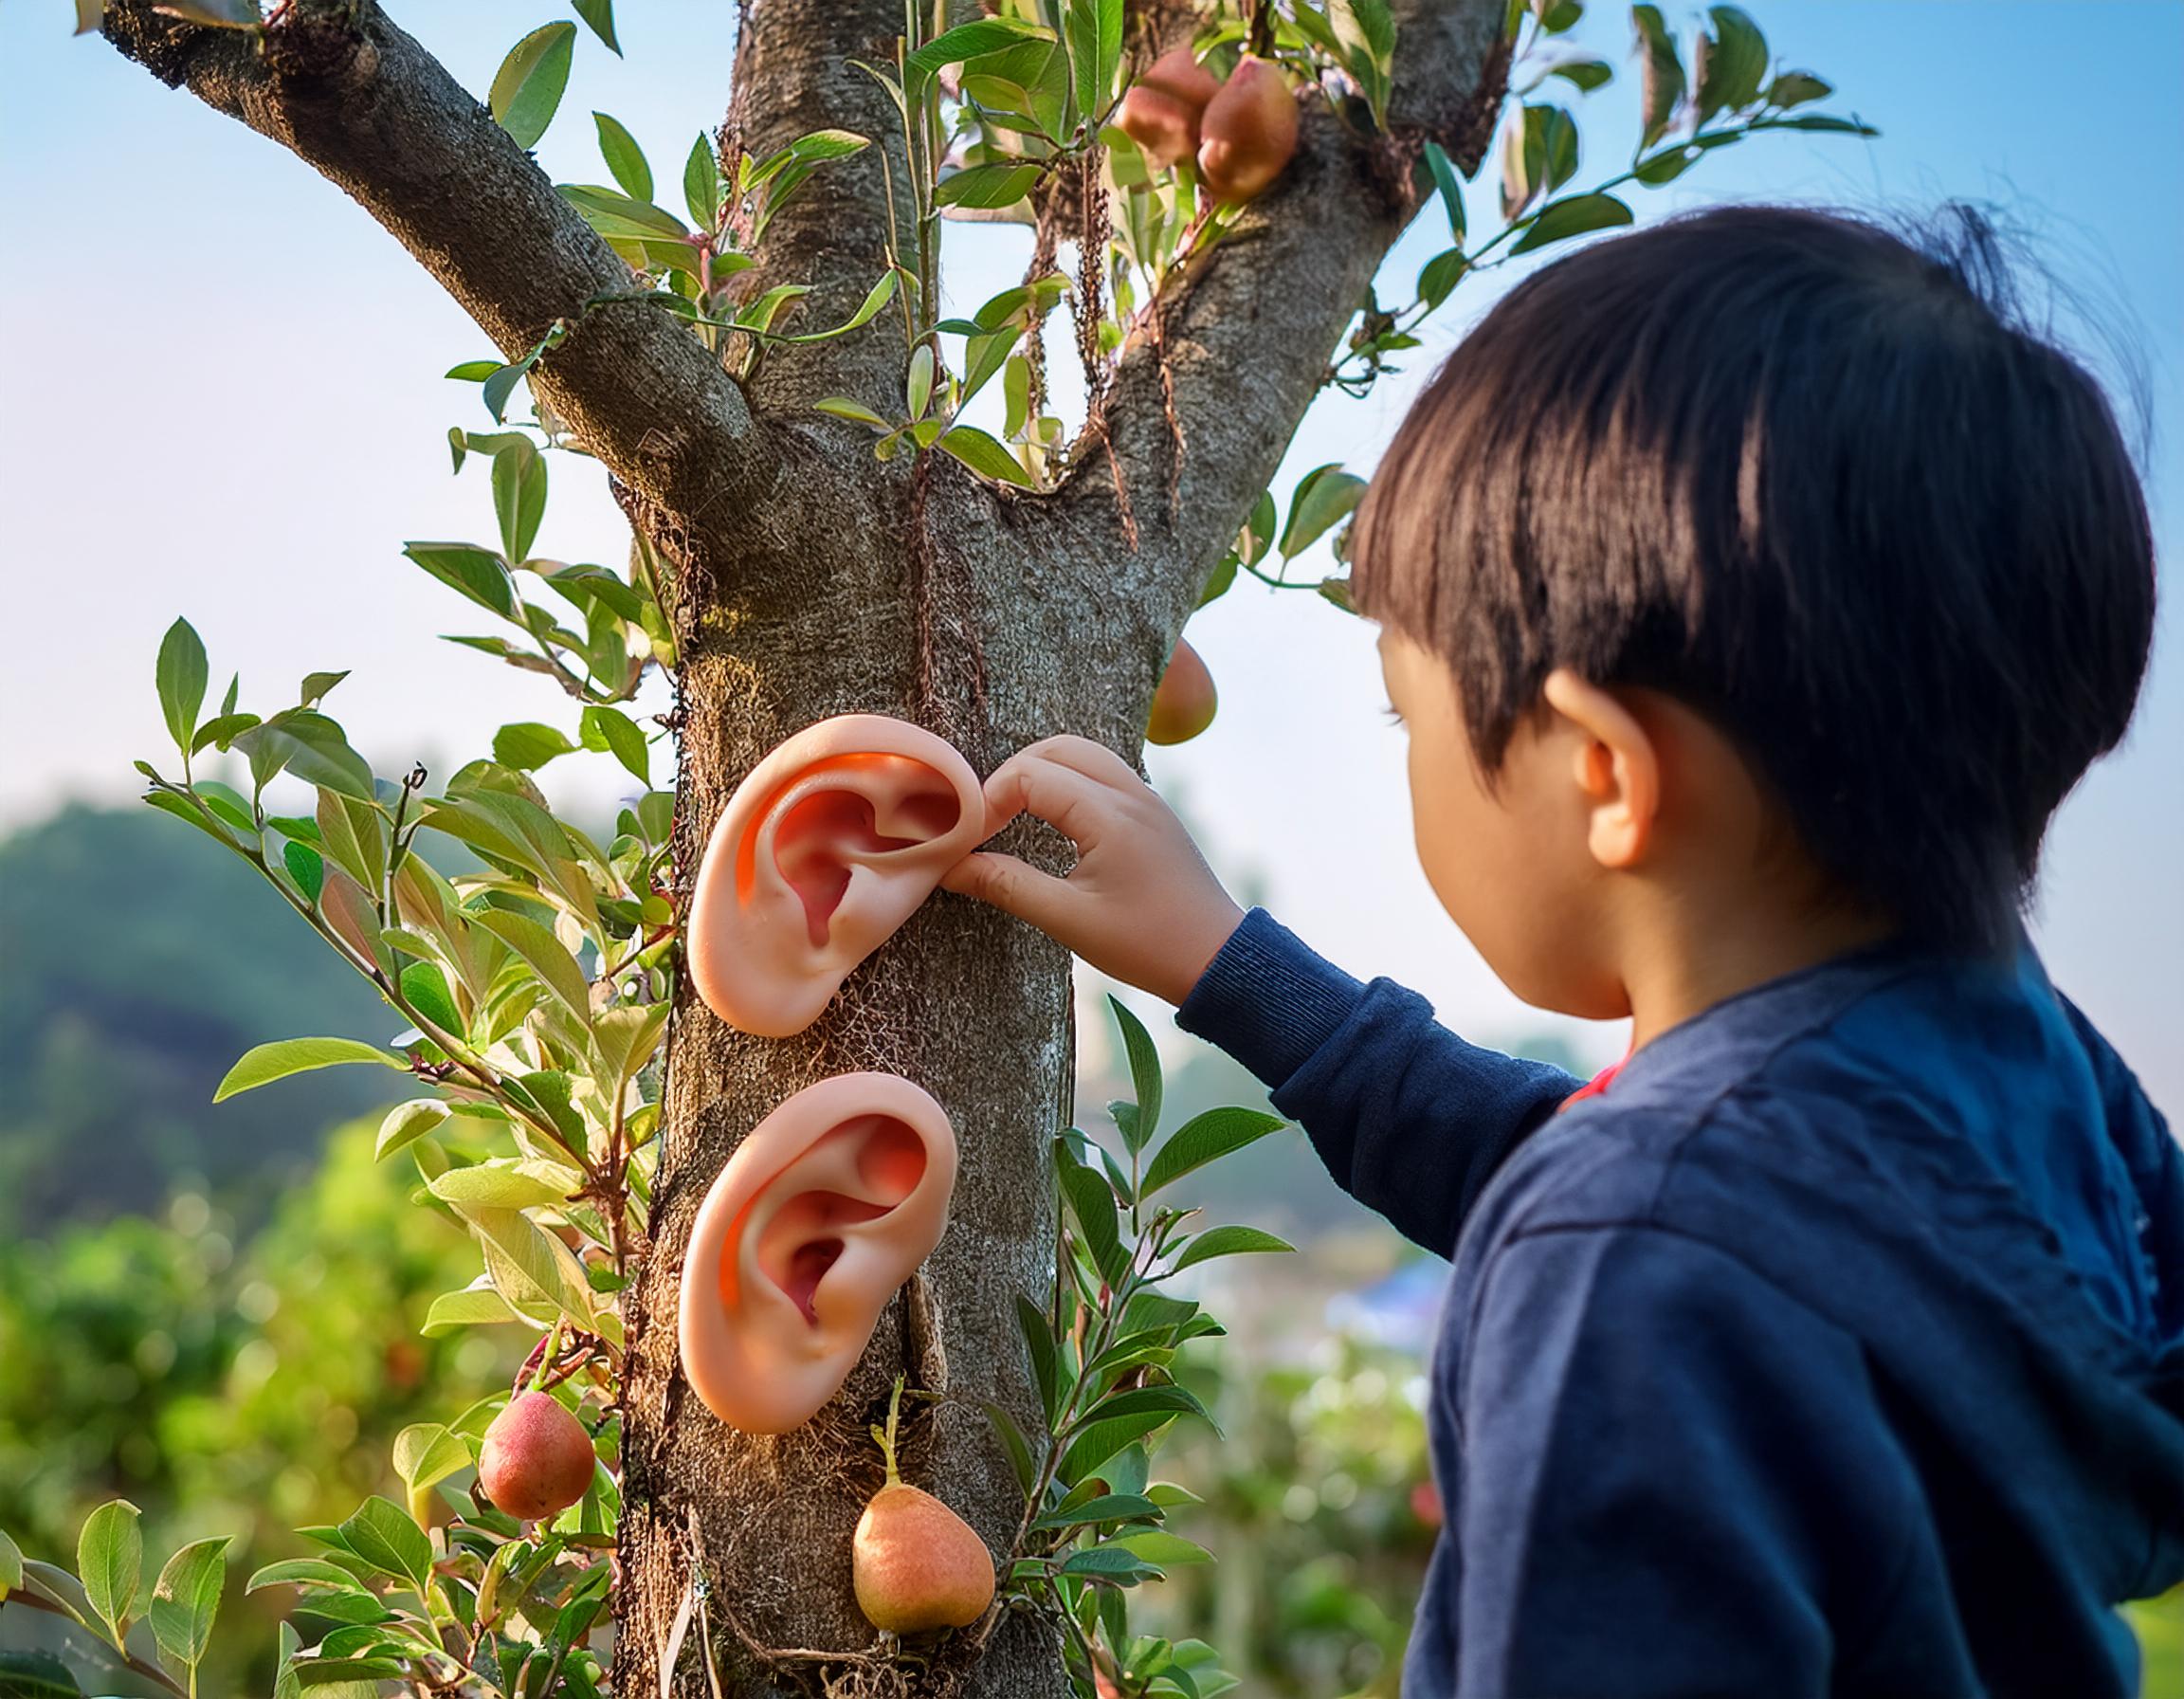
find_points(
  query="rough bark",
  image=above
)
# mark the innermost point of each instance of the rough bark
(815, 581)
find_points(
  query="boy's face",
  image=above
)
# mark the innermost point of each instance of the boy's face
(1510, 862)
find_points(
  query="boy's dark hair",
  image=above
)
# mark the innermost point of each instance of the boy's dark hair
(1821, 484)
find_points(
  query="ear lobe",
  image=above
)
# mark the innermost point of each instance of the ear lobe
(824, 850)
(822, 1213)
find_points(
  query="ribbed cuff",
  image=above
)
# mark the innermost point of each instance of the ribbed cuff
(1268, 999)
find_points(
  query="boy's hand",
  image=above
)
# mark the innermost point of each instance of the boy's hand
(1140, 905)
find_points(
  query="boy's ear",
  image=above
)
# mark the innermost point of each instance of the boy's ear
(822, 851)
(818, 1218)
(1617, 767)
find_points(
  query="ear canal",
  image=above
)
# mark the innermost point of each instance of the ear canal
(829, 846)
(818, 1218)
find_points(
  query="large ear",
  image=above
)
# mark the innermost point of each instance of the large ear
(820, 1216)
(827, 848)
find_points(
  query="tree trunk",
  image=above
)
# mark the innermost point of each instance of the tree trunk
(963, 1001)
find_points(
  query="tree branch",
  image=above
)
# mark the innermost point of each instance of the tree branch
(1244, 335)
(337, 84)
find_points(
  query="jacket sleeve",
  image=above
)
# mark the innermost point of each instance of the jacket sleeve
(1408, 1119)
(1676, 1479)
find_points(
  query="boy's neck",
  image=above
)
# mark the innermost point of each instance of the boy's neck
(1680, 962)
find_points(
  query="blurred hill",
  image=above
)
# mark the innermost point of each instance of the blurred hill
(141, 959)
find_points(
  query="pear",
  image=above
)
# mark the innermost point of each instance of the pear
(1184, 704)
(916, 1564)
(1249, 130)
(536, 1460)
(1161, 111)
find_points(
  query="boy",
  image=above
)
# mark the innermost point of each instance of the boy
(1754, 588)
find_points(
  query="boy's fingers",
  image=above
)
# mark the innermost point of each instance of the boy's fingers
(1094, 760)
(1013, 885)
(1067, 799)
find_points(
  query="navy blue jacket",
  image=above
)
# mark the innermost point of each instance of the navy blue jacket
(1836, 1348)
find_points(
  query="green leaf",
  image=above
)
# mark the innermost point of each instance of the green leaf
(1014, 1443)
(406, 1123)
(1732, 63)
(546, 954)
(1039, 1345)
(1824, 121)
(599, 14)
(424, 1454)
(522, 1255)
(181, 678)
(1227, 1241)
(702, 183)
(381, 1533)
(983, 454)
(306, 865)
(36, 1676)
(1157, 1545)
(625, 161)
(266, 1063)
(998, 183)
(489, 1185)
(1325, 495)
(1793, 88)
(877, 297)
(842, 406)
(1440, 276)
(1584, 74)
(1148, 1400)
(1662, 75)
(110, 1561)
(497, 388)
(527, 89)
(614, 732)
(1093, 29)
(10, 1564)
(479, 574)
(617, 217)
(1451, 191)
(305, 1572)
(519, 496)
(187, 1598)
(1111, 1562)
(1574, 215)
(527, 745)
(473, 1306)
(967, 41)
(1100, 1441)
(316, 684)
(1205, 1138)
(1107, 1506)
(472, 372)
(220, 731)
(1091, 1202)
(1144, 1072)
(424, 989)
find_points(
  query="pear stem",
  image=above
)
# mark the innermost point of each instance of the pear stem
(888, 1440)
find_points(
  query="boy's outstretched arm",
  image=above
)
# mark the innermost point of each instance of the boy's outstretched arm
(1408, 1119)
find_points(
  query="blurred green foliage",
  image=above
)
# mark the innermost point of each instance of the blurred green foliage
(232, 1388)
(1320, 1507)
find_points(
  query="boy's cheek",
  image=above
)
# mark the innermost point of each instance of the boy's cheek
(1514, 889)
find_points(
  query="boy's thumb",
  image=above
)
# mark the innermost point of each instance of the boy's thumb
(1009, 884)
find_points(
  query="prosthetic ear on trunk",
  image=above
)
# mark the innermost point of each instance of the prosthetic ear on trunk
(822, 851)
(817, 1219)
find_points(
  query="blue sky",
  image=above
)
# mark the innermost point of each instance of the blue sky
(223, 400)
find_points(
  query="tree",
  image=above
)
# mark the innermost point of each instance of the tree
(814, 533)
